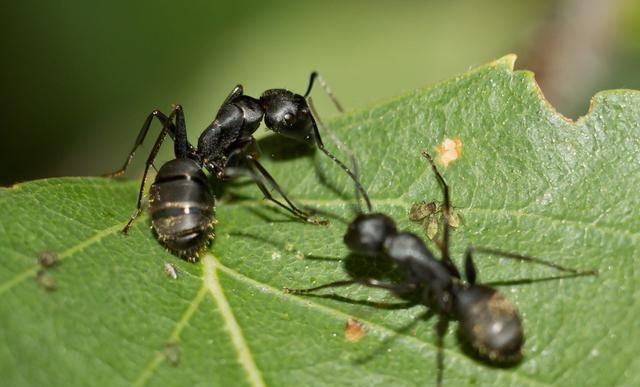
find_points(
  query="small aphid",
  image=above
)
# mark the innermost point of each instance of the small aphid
(46, 280)
(171, 354)
(431, 225)
(421, 210)
(449, 151)
(454, 218)
(171, 270)
(430, 214)
(354, 330)
(47, 258)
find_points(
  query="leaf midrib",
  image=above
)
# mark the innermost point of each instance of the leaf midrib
(194, 304)
(380, 331)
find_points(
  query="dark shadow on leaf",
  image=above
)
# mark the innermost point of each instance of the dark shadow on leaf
(387, 342)
(277, 212)
(321, 258)
(332, 216)
(258, 238)
(372, 304)
(280, 246)
(324, 180)
(278, 148)
(528, 281)
(379, 267)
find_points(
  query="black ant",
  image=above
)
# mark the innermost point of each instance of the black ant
(489, 324)
(181, 202)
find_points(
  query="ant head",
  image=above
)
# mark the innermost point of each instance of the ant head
(288, 114)
(489, 323)
(367, 233)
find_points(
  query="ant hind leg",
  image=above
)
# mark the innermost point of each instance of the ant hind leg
(167, 127)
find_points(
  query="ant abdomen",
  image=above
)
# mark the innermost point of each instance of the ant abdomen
(182, 207)
(489, 323)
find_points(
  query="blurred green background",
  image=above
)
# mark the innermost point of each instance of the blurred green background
(78, 78)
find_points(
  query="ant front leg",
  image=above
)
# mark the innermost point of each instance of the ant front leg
(441, 330)
(446, 208)
(230, 172)
(253, 163)
(354, 165)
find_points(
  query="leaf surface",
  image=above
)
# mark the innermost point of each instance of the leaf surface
(528, 181)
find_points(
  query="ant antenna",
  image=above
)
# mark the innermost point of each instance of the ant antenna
(325, 87)
(342, 146)
(446, 208)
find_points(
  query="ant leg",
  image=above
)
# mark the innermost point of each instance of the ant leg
(149, 163)
(165, 121)
(181, 146)
(446, 208)
(325, 87)
(342, 146)
(253, 163)
(369, 282)
(441, 330)
(386, 342)
(320, 145)
(141, 135)
(470, 270)
(235, 93)
(236, 171)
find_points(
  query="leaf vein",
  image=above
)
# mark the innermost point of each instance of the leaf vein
(147, 371)
(379, 330)
(212, 284)
(97, 237)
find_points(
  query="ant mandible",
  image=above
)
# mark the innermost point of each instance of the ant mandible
(488, 322)
(182, 205)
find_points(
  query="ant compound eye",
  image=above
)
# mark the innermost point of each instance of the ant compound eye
(289, 119)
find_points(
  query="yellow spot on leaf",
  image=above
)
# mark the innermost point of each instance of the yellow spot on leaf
(449, 151)
(353, 330)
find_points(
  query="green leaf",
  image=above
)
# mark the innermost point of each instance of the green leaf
(528, 181)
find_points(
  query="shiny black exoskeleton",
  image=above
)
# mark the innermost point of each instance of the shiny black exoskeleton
(181, 201)
(488, 322)
(182, 205)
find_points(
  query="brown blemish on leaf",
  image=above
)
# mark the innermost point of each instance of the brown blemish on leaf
(449, 150)
(171, 353)
(47, 258)
(353, 330)
(46, 280)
